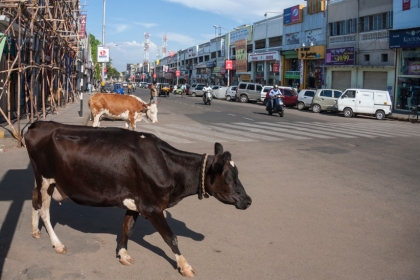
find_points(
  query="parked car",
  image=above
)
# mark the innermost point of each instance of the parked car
(365, 101)
(231, 93)
(264, 91)
(248, 92)
(198, 90)
(124, 84)
(325, 100)
(143, 84)
(289, 95)
(305, 97)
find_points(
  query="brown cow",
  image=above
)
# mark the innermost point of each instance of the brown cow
(130, 108)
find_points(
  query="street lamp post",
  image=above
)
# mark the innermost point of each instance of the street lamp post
(103, 42)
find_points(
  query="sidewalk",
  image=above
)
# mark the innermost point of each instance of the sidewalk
(69, 115)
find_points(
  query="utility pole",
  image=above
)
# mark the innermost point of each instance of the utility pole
(103, 42)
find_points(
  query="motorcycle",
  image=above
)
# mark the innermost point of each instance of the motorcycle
(278, 109)
(207, 96)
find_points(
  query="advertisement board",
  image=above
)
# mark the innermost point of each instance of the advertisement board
(292, 15)
(103, 54)
(241, 56)
(340, 56)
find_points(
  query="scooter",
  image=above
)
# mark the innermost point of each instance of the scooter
(279, 109)
(207, 96)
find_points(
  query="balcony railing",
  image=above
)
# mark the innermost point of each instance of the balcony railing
(375, 35)
(342, 38)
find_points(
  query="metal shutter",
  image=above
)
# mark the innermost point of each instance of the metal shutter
(375, 80)
(341, 80)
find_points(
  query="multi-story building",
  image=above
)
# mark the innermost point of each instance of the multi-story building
(358, 53)
(404, 39)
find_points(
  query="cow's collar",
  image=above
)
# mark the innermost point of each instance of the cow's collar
(201, 189)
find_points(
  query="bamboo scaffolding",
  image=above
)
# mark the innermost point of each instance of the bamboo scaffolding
(42, 45)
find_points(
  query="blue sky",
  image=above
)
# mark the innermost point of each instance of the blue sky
(185, 22)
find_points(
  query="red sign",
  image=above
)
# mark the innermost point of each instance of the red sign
(154, 75)
(276, 68)
(82, 27)
(406, 5)
(171, 54)
(178, 73)
(229, 65)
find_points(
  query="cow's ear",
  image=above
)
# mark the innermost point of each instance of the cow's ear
(227, 156)
(218, 149)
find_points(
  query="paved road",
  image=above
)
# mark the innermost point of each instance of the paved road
(333, 198)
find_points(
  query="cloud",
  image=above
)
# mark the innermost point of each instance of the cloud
(145, 24)
(239, 10)
(117, 28)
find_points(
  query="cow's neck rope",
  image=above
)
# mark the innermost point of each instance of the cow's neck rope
(203, 173)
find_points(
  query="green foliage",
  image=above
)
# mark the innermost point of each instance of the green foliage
(111, 71)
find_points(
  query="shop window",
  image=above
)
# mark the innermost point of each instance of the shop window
(367, 57)
(384, 57)
(260, 67)
(260, 44)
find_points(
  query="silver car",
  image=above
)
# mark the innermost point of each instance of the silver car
(305, 98)
(231, 93)
(325, 100)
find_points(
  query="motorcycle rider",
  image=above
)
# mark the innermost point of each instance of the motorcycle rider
(273, 96)
(206, 89)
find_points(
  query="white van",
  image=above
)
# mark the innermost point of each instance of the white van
(365, 101)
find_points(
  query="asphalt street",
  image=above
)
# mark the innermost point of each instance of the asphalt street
(333, 198)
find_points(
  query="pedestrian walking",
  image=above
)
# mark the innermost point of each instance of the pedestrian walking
(90, 88)
(183, 90)
(153, 92)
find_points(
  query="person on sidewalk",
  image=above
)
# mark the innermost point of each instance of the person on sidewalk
(90, 88)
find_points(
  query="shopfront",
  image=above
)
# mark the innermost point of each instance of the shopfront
(265, 67)
(340, 63)
(313, 60)
(407, 88)
(291, 68)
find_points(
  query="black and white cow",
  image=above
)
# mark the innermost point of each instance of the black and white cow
(78, 162)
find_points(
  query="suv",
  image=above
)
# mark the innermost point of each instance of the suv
(305, 98)
(325, 100)
(248, 92)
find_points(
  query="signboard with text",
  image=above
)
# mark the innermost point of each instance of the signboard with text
(340, 56)
(406, 5)
(241, 56)
(82, 28)
(292, 15)
(103, 54)
(229, 65)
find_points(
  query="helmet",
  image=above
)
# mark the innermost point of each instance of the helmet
(276, 86)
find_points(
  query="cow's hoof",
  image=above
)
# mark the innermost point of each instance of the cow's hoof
(187, 271)
(125, 258)
(61, 249)
(36, 235)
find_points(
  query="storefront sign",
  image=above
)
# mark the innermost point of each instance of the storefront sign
(292, 38)
(292, 15)
(245, 77)
(216, 70)
(314, 52)
(340, 56)
(210, 64)
(406, 5)
(276, 68)
(222, 70)
(414, 68)
(267, 56)
(240, 34)
(178, 73)
(409, 38)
